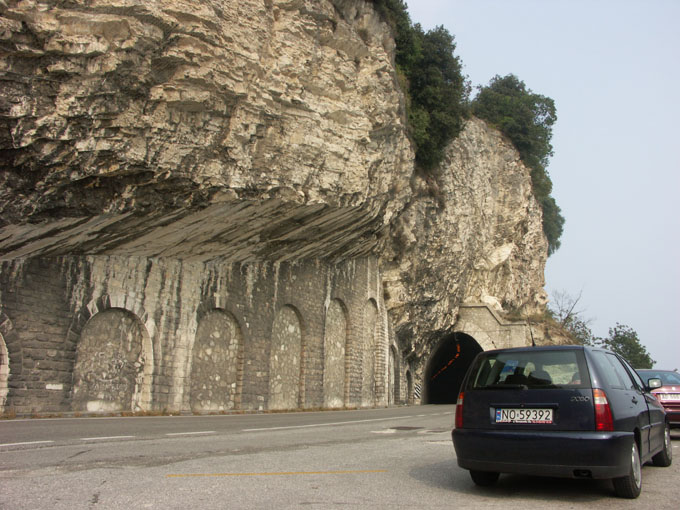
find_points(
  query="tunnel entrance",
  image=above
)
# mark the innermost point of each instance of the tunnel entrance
(447, 366)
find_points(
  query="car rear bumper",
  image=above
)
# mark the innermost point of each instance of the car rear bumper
(559, 454)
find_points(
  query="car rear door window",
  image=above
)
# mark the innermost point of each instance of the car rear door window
(639, 383)
(614, 373)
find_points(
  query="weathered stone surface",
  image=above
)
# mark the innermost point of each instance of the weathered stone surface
(230, 129)
(233, 180)
(473, 234)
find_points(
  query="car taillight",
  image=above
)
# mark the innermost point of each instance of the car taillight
(603, 414)
(459, 411)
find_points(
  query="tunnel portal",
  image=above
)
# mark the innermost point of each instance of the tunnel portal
(447, 366)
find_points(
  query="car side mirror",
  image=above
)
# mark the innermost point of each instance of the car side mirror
(654, 383)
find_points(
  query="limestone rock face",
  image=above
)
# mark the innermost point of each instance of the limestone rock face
(472, 234)
(249, 123)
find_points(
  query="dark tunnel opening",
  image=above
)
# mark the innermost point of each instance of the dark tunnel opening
(447, 366)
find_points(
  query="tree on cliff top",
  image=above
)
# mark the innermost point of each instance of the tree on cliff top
(437, 104)
(431, 75)
(526, 119)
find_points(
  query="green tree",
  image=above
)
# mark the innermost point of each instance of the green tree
(624, 341)
(526, 119)
(431, 76)
(439, 93)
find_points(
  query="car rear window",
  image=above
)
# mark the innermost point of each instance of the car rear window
(531, 369)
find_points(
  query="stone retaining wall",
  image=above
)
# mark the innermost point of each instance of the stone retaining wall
(117, 334)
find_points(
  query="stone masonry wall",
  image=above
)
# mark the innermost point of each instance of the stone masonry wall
(119, 334)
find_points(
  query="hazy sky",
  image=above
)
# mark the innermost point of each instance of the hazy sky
(613, 69)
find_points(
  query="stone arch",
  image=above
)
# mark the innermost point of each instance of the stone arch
(447, 366)
(12, 344)
(488, 329)
(216, 363)
(10, 359)
(4, 373)
(409, 388)
(285, 360)
(368, 357)
(334, 355)
(392, 377)
(114, 361)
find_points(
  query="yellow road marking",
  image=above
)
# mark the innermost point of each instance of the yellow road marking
(282, 473)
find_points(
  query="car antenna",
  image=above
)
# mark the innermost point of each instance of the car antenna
(531, 331)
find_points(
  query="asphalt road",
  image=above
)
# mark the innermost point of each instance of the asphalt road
(378, 459)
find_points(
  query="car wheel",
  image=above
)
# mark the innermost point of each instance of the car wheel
(484, 478)
(665, 456)
(629, 486)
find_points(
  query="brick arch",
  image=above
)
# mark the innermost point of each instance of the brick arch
(369, 354)
(392, 376)
(286, 359)
(11, 339)
(410, 390)
(106, 302)
(138, 372)
(216, 362)
(335, 359)
(488, 329)
(10, 359)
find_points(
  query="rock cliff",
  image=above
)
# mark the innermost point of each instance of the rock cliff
(239, 132)
(471, 234)
(128, 125)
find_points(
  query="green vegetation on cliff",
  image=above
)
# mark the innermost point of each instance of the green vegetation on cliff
(438, 102)
(436, 90)
(526, 119)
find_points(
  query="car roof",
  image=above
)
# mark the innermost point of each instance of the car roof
(539, 348)
(655, 370)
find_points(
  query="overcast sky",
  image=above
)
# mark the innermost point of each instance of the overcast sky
(613, 69)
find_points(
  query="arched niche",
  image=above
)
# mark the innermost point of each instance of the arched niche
(4, 373)
(215, 363)
(114, 364)
(368, 364)
(335, 347)
(285, 360)
(392, 377)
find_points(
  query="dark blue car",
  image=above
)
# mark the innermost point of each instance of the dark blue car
(564, 411)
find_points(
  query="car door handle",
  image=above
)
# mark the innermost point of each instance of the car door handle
(634, 400)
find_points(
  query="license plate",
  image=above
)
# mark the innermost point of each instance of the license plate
(670, 396)
(505, 415)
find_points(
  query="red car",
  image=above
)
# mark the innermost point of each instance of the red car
(668, 394)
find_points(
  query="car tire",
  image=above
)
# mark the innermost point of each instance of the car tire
(484, 478)
(629, 486)
(665, 456)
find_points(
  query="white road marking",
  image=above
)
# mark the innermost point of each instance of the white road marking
(190, 433)
(327, 424)
(27, 442)
(104, 437)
